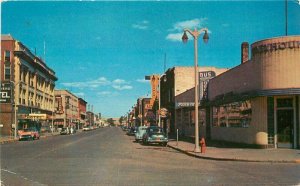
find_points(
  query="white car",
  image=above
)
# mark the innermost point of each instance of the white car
(86, 128)
(141, 130)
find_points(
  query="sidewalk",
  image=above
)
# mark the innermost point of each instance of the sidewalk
(9, 139)
(239, 154)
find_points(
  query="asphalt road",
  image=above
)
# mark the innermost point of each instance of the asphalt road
(109, 157)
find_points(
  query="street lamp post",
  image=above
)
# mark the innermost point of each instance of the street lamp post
(159, 98)
(196, 34)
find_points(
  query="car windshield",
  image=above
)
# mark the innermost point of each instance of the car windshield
(156, 130)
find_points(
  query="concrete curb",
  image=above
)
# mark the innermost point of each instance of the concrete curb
(232, 159)
(15, 140)
(9, 141)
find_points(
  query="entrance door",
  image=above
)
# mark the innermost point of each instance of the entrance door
(285, 126)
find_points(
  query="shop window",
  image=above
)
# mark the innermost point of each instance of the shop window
(186, 117)
(236, 114)
(285, 103)
(202, 117)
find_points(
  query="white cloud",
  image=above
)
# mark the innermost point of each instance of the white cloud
(119, 81)
(104, 93)
(174, 37)
(120, 87)
(142, 25)
(142, 81)
(79, 94)
(101, 81)
(119, 84)
(191, 24)
(180, 26)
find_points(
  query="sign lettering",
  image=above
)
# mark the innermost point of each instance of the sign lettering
(5, 93)
(275, 46)
(204, 79)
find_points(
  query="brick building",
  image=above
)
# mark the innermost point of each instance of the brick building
(66, 109)
(82, 112)
(27, 85)
(143, 112)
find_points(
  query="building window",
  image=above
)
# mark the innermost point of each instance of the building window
(7, 56)
(285, 103)
(7, 71)
(236, 114)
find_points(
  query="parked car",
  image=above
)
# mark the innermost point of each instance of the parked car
(155, 134)
(131, 131)
(141, 130)
(45, 129)
(64, 131)
(86, 128)
(29, 134)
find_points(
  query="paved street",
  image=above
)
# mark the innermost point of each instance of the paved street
(109, 157)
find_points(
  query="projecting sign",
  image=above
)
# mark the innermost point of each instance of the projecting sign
(5, 93)
(204, 79)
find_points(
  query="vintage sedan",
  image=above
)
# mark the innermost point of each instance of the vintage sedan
(131, 131)
(155, 135)
(28, 134)
(141, 130)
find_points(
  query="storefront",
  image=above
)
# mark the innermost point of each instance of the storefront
(257, 102)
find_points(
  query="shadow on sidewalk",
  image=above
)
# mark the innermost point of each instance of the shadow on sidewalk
(216, 143)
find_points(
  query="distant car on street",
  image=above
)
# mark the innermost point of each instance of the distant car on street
(156, 135)
(29, 134)
(141, 130)
(86, 128)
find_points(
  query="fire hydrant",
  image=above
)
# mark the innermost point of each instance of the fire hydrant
(203, 145)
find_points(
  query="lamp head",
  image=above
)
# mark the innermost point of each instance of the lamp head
(184, 37)
(205, 37)
(165, 79)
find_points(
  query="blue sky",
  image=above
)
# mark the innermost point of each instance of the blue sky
(101, 51)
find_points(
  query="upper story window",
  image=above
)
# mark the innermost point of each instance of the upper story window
(7, 55)
(7, 71)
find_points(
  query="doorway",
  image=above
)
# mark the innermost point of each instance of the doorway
(285, 123)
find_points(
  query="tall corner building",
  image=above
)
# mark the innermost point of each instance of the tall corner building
(27, 86)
